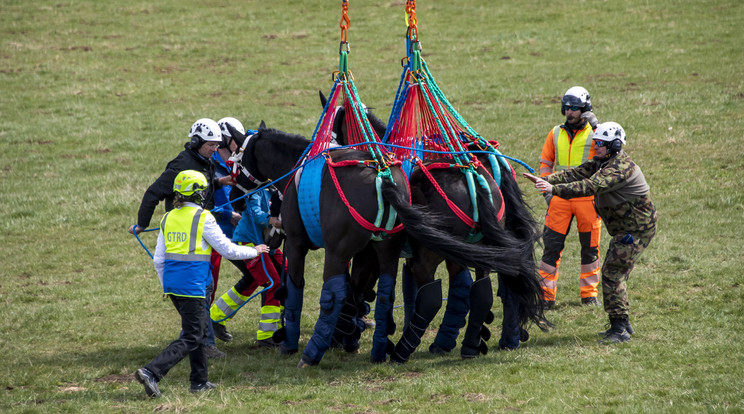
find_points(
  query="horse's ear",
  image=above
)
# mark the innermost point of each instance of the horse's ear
(262, 125)
(323, 99)
(236, 135)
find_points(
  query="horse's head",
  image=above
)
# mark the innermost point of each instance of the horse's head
(264, 156)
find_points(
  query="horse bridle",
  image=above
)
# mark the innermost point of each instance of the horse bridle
(235, 162)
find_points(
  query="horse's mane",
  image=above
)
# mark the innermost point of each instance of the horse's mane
(284, 138)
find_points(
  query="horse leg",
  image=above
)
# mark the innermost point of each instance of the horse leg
(294, 282)
(332, 298)
(408, 287)
(512, 332)
(456, 312)
(476, 334)
(350, 325)
(387, 253)
(427, 304)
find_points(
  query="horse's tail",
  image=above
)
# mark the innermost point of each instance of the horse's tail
(423, 225)
(523, 231)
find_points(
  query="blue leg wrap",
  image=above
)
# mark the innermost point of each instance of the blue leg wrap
(384, 323)
(409, 294)
(332, 298)
(292, 313)
(458, 306)
(510, 329)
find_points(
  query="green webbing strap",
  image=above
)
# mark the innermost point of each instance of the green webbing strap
(343, 59)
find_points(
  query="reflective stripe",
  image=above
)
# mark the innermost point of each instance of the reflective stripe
(191, 257)
(545, 170)
(548, 268)
(223, 306)
(194, 230)
(592, 280)
(590, 268)
(236, 297)
(276, 316)
(266, 326)
(549, 284)
(546, 162)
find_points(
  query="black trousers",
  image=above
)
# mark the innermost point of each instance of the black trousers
(194, 318)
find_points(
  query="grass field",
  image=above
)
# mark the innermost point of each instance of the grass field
(98, 95)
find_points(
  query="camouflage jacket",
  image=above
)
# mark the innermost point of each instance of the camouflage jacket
(622, 196)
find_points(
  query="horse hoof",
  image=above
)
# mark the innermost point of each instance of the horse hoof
(304, 362)
(437, 350)
(374, 360)
(287, 351)
(467, 352)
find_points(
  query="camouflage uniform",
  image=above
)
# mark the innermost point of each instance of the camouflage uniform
(623, 201)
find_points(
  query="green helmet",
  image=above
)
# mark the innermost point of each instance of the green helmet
(189, 183)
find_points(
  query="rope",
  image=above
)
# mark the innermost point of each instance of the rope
(301, 165)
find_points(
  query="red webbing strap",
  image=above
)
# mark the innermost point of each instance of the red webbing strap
(455, 209)
(358, 217)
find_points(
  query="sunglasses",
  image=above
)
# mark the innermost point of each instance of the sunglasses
(571, 107)
(600, 143)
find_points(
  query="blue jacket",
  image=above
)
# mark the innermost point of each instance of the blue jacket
(255, 218)
(223, 209)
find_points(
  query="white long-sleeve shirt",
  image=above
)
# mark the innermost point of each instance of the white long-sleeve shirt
(212, 235)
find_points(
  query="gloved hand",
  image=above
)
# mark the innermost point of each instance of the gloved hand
(590, 118)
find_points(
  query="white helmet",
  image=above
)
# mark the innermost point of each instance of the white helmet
(609, 131)
(576, 96)
(233, 122)
(204, 130)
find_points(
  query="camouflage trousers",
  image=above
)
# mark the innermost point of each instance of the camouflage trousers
(624, 251)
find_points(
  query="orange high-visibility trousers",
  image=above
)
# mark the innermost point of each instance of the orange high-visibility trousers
(557, 225)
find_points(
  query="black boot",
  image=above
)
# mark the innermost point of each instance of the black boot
(617, 332)
(628, 328)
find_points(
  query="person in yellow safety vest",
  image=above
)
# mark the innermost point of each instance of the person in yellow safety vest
(188, 233)
(260, 216)
(568, 146)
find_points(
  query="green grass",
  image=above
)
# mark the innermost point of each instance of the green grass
(98, 95)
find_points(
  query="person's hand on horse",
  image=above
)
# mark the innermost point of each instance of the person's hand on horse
(135, 228)
(235, 218)
(262, 248)
(226, 180)
(276, 222)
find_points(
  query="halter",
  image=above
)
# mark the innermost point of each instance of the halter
(235, 163)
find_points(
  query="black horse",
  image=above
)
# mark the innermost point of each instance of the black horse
(514, 227)
(347, 202)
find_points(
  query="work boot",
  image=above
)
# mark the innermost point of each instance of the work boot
(147, 378)
(590, 301)
(212, 352)
(617, 332)
(628, 328)
(547, 304)
(268, 343)
(220, 332)
(200, 387)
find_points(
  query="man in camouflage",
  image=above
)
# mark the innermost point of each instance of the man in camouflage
(623, 202)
